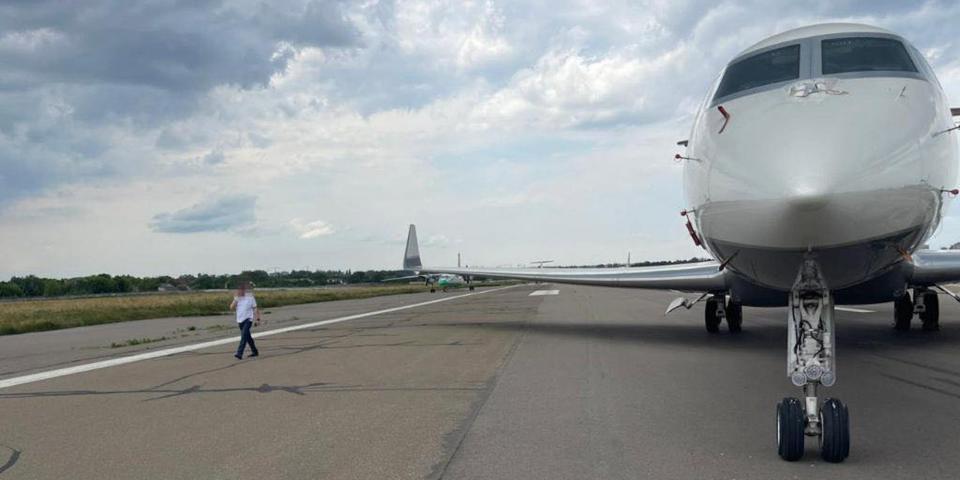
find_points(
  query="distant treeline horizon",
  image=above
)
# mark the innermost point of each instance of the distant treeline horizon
(103, 283)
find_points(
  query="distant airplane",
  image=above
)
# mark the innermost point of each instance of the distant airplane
(819, 162)
(442, 281)
(435, 281)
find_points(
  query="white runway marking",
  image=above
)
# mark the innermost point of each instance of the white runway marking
(854, 310)
(62, 372)
(544, 292)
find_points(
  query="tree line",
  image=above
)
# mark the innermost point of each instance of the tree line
(33, 286)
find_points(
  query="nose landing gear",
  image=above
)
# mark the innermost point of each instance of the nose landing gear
(811, 363)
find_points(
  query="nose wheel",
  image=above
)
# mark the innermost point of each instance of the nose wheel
(835, 434)
(793, 427)
(790, 425)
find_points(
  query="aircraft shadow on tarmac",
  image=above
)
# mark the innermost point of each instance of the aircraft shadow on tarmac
(854, 338)
(863, 341)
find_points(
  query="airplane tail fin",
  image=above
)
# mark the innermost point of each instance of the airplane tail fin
(411, 257)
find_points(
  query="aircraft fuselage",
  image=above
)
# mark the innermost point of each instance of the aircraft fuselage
(843, 159)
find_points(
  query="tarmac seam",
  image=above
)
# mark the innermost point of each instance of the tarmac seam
(14, 456)
(440, 469)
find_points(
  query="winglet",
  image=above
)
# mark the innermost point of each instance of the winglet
(411, 257)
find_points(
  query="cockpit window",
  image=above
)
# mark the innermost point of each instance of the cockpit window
(865, 54)
(761, 69)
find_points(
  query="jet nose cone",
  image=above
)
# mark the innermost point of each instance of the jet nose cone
(808, 197)
(808, 203)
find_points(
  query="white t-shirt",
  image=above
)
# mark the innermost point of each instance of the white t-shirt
(246, 307)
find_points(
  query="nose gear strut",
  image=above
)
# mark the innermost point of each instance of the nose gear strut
(811, 362)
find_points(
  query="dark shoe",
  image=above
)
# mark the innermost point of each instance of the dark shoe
(238, 357)
(254, 354)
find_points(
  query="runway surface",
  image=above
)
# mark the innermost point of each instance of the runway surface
(583, 383)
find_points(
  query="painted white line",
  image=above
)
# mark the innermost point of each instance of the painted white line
(544, 292)
(854, 310)
(62, 372)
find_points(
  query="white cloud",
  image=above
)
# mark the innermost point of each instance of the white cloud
(438, 241)
(569, 88)
(314, 229)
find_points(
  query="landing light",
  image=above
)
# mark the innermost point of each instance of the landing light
(813, 372)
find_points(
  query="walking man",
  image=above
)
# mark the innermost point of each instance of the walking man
(246, 306)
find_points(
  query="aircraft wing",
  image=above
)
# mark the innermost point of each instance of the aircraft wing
(931, 267)
(695, 277)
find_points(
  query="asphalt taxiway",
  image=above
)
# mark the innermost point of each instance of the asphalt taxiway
(577, 382)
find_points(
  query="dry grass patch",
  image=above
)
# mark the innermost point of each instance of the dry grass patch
(37, 315)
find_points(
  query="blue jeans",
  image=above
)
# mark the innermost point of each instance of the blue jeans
(245, 338)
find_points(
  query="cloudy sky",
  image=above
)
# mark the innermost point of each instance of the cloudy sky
(177, 136)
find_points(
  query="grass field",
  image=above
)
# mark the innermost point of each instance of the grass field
(37, 315)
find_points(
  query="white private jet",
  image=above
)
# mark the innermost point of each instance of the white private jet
(818, 164)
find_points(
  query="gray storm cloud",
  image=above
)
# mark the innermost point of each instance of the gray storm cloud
(223, 214)
(73, 72)
(177, 46)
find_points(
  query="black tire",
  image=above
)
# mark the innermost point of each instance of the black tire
(710, 319)
(835, 439)
(790, 425)
(902, 312)
(931, 314)
(734, 313)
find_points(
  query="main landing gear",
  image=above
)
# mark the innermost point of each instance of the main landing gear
(811, 363)
(718, 309)
(925, 303)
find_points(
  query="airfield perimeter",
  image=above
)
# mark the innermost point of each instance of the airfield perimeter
(587, 383)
